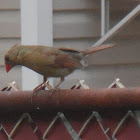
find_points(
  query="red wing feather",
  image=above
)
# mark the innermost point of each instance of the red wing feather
(69, 50)
(65, 61)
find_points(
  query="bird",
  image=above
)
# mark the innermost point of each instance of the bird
(48, 61)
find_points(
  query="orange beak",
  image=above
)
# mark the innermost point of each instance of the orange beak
(8, 67)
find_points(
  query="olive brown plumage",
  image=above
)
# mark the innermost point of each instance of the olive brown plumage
(49, 61)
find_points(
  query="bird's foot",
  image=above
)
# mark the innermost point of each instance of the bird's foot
(48, 85)
(37, 89)
(42, 86)
(51, 89)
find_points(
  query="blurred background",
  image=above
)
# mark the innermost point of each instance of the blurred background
(77, 24)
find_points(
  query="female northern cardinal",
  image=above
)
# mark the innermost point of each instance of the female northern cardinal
(48, 61)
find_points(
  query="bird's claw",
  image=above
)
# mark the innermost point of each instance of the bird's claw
(42, 87)
(37, 89)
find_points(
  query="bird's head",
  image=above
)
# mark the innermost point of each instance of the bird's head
(10, 57)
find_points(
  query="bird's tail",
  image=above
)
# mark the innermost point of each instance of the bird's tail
(97, 48)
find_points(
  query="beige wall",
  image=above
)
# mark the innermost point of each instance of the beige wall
(77, 25)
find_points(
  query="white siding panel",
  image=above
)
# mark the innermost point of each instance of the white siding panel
(92, 4)
(66, 25)
(9, 23)
(9, 4)
(80, 44)
(72, 4)
(127, 51)
(87, 24)
(124, 3)
(75, 4)
(132, 29)
(76, 24)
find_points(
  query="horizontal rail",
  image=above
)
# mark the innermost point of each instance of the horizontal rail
(76, 99)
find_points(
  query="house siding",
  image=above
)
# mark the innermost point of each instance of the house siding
(76, 24)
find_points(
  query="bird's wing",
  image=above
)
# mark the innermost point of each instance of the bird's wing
(47, 56)
(61, 58)
(69, 50)
(77, 54)
(66, 61)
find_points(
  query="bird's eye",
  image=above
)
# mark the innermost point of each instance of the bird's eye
(7, 59)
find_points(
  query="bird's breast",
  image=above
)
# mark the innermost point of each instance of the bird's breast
(52, 72)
